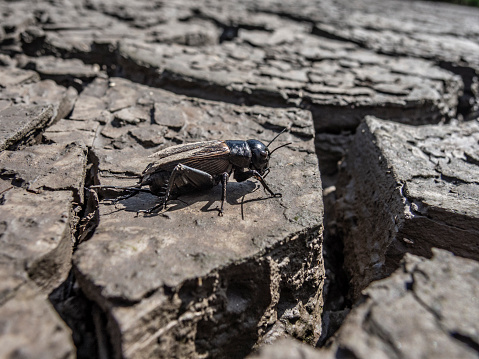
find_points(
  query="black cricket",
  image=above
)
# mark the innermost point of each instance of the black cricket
(201, 165)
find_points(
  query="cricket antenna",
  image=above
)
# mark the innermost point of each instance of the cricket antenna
(270, 142)
(277, 148)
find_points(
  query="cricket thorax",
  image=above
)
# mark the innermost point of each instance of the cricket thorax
(240, 153)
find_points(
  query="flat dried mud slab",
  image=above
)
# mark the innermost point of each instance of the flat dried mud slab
(446, 34)
(38, 190)
(22, 121)
(408, 189)
(36, 232)
(24, 88)
(30, 327)
(39, 185)
(440, 31)
(46, 167)
(67, 72)
(426, 309)
(193, 283)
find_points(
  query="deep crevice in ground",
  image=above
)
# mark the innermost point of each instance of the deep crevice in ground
(75, 310)
(68, 299)
(468, 103)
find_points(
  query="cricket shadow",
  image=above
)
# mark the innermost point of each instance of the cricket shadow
(236, 195)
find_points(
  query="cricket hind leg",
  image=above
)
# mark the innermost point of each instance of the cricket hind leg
(158, 183)
(160, 192)
(133, 190)
(124, 197)
(182, 178)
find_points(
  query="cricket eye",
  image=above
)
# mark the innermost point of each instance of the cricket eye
(263, 154)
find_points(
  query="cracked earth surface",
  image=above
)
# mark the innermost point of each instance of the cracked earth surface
(381, 105)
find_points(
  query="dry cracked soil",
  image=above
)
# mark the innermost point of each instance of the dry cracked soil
(370, 252)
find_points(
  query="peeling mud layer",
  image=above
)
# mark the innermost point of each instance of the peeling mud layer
(408, 189)
(381, 103)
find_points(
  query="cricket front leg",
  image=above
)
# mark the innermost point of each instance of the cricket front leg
(243, 176)
(266, 187)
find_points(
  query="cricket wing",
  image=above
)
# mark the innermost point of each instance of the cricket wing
(191, 154)
(186, 147)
